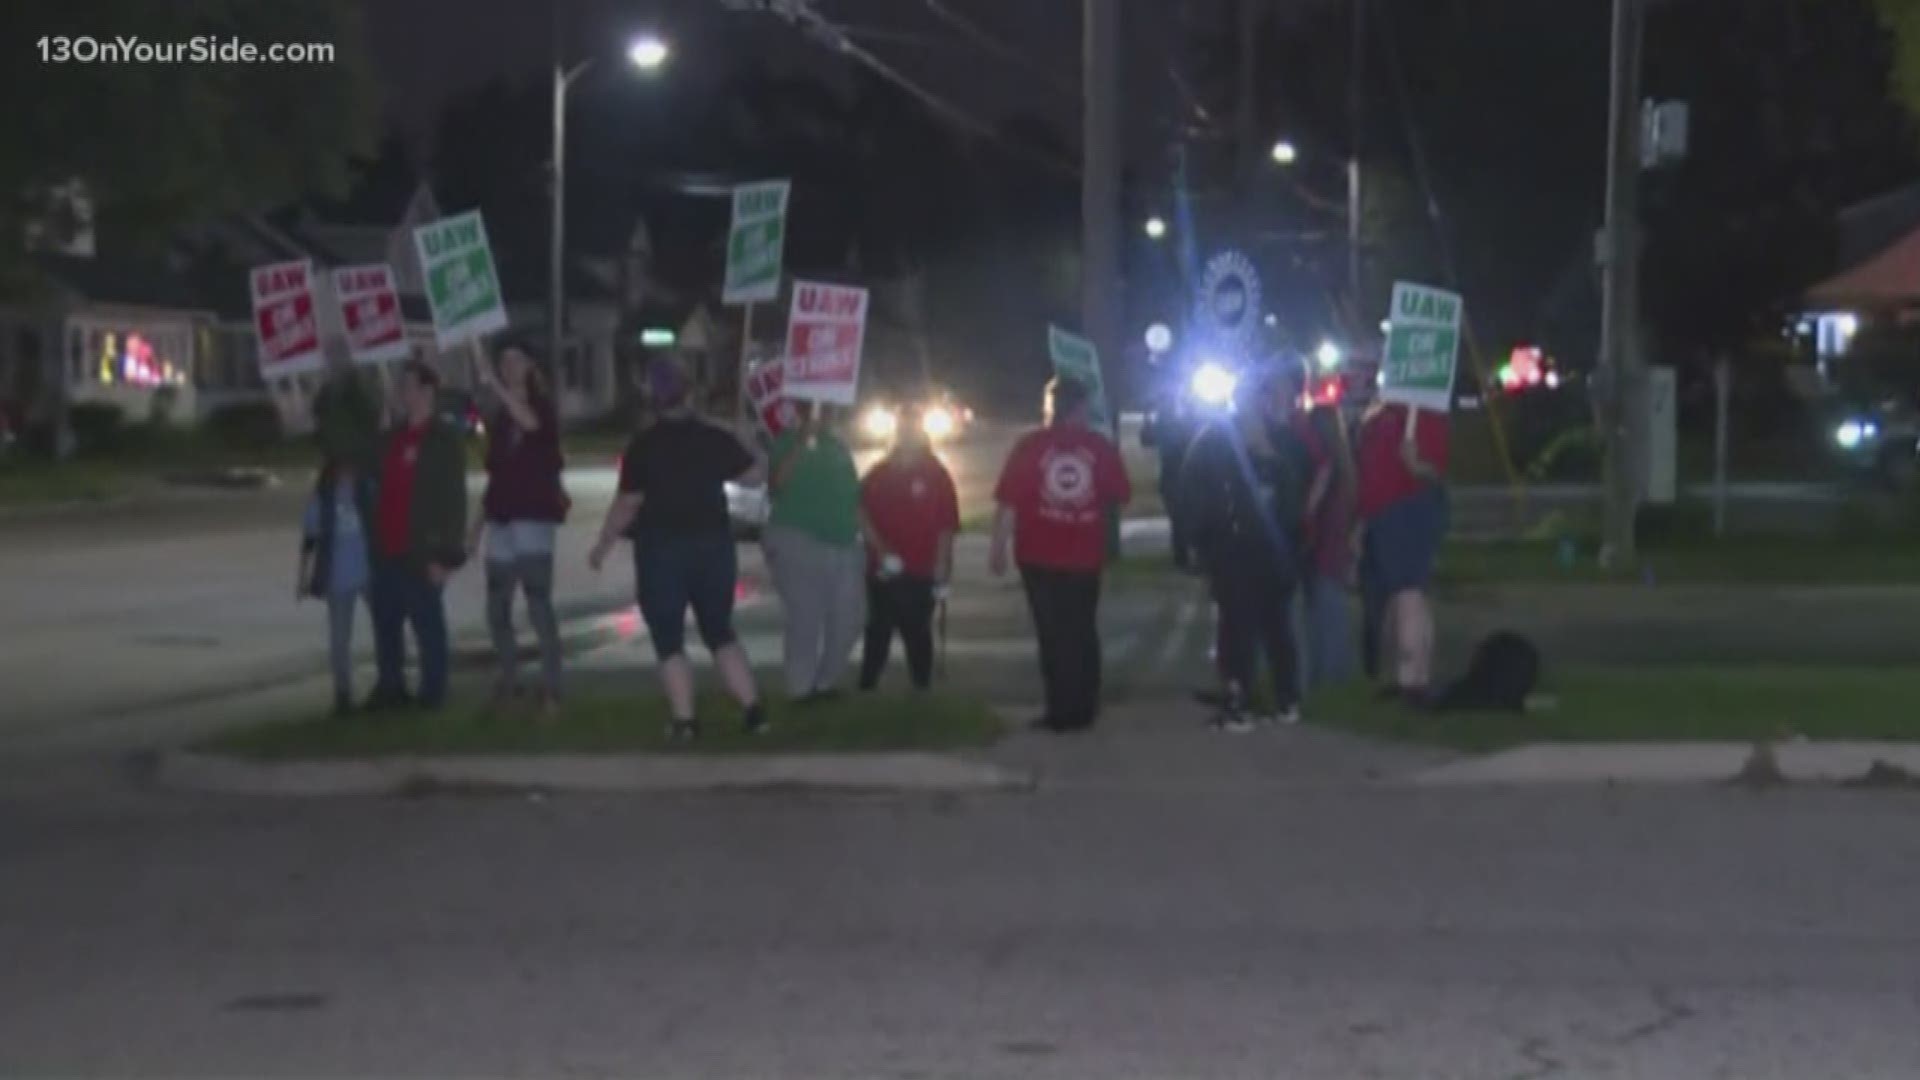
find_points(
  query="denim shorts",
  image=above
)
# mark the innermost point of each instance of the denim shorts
(1402, 543)
(677, 571)
(511, 541)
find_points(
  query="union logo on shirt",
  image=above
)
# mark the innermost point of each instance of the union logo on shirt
(1066, 479)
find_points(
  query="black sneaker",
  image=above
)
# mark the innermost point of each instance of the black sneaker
(381, 701)
(1232, 716)
(754, 720)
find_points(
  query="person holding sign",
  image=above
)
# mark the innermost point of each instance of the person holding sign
(1054, 495)
(520, 514)
(420, 524)
(813, 548)
(1402, 457)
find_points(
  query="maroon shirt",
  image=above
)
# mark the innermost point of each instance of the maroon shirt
(523, 467)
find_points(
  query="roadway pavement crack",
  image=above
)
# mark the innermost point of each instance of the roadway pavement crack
(1539, 1054)
(1672, 1013)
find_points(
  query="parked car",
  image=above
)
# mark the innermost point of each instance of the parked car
(1880, 441)
(461, 408)
(748, 508)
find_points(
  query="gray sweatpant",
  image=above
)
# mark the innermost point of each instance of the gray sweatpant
(520, 556)
(822, 588)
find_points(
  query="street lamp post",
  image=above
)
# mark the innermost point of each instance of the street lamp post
(648, 53)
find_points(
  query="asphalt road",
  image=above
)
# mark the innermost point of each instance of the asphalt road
(1134, 928)
(112, 610)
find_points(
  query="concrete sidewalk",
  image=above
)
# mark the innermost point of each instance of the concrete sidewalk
(1797, 762)
(904, 772)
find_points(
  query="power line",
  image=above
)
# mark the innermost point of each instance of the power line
(803, 15)
(987, 41)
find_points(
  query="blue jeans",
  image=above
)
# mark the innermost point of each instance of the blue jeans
(403, 595)
(1329, 646)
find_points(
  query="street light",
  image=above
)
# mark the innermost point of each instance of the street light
(1285, 153)
(648, 52)
(1156, 227)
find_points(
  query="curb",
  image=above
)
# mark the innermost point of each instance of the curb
(909, 773)
(1653, 764)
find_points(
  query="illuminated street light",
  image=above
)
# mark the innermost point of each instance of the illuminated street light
(1156, 227)
(648, 52)
(1285, 153)
(1328, 355)
(1159, 337)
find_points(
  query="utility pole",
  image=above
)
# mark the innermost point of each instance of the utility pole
(1246, 120)
(1620, 377)
(557, 204)
(1100, 179)
(1357, 119)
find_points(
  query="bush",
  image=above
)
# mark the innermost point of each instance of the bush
(245, 425)
(98, 426)
(1574, 454)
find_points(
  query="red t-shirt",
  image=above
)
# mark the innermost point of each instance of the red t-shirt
(1060, 482)
(1384, 477)
(393, 518)
(911, 506)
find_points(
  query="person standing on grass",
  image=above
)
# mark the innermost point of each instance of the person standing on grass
(334, 567)
(1054, 495)
(911, 511)
(1247, 478)
(813, 549)
(1330, 548)
(673, 506)
(420, 524)
(1169, 432)
(1403, 507)
(520, 513)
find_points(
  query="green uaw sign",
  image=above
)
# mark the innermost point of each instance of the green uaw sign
(1423, 347)
(1074, 357)
(462, 286)
(756, 242)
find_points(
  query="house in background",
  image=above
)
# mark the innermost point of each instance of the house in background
(170, 336)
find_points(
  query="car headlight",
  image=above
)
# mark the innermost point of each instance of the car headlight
(937, 422)
(1212, 383)
(1852, 433)
(880, 422)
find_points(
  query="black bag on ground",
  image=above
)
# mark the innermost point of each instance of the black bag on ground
(1504, 671)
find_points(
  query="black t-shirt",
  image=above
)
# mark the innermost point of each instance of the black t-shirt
(680, 467)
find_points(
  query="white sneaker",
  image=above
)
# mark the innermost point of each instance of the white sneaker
(1234, 723)
(1281, 719)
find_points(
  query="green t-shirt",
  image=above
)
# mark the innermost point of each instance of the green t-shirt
(821, 497)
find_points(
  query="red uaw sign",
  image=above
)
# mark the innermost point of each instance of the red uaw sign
(370, 313)
(825, 329)
(283, 317)
(766, 389)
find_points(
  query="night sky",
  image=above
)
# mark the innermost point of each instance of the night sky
(427, 51)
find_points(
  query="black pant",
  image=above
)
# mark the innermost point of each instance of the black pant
(1177, 523)
(1065, 606)
(1256, 609)
(904, 604)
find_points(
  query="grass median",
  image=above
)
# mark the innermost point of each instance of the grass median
(1756, 560)
(1660, 704)
(610, 724)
